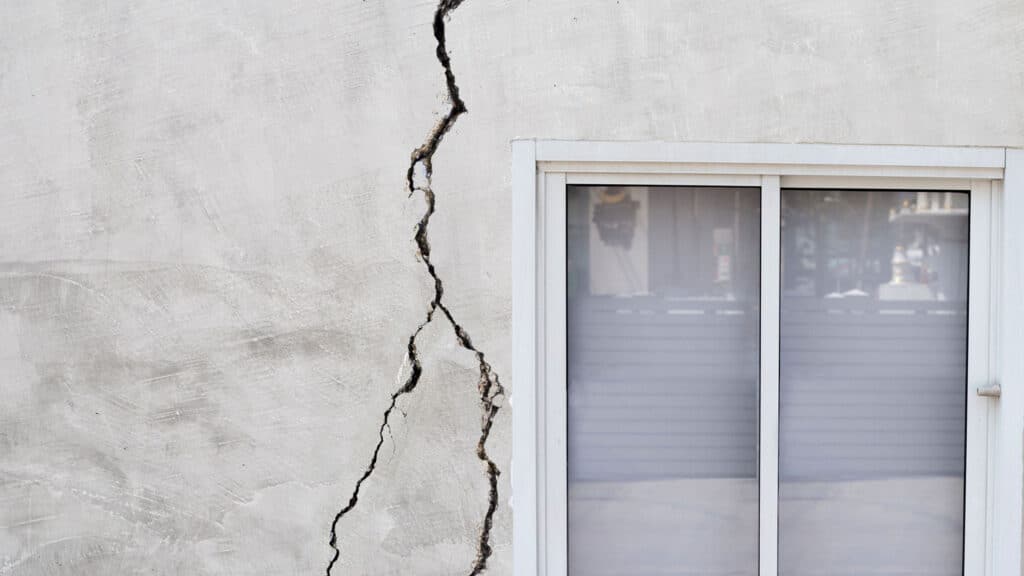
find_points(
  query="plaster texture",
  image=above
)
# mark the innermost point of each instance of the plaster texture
(207, 267)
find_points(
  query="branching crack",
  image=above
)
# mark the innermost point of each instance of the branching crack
(489, 385)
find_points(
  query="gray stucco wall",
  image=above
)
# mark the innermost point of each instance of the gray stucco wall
(207, 267)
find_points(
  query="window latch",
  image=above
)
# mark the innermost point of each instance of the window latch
(990, 391)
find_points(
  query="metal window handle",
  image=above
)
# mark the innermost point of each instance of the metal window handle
(990, 391)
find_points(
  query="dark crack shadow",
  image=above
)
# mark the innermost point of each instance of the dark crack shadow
(489, 385)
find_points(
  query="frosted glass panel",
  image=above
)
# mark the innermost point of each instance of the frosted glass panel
(663, 380)
(873, 382)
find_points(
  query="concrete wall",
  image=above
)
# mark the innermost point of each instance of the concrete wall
(208, 275)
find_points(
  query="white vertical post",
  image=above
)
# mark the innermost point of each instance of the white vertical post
(555, 406)
(1009, 409)
(524, 354)
(994, 363)
(768, 460)
(979, 288)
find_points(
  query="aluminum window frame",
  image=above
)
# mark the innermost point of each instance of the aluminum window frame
(541, 170)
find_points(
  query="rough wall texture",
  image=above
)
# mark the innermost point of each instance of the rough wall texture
(208, 269)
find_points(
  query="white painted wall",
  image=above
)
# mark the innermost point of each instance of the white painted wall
(207, 271)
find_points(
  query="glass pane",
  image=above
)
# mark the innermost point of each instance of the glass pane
(873, 382)
(663, 380)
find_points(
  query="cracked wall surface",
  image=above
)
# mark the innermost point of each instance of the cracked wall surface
(210, 261)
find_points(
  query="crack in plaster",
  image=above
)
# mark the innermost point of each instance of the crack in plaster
(489, 385)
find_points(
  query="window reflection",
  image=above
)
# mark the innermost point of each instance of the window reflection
(886, 245)
(662, 379)
(873, 382)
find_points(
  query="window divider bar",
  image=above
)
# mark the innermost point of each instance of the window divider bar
(768, 456)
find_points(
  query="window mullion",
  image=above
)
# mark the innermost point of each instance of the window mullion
(768, 460)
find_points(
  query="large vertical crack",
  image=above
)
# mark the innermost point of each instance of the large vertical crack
(489, 385)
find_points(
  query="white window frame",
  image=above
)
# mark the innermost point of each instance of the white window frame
(995, 177)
